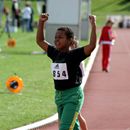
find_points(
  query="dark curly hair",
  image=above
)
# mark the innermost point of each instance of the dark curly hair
(68, 32)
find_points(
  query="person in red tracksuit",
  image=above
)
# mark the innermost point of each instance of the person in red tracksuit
(107, 39)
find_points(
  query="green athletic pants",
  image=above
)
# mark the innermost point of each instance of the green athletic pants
(69, 103)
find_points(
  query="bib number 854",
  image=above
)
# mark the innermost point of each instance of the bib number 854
(59, 71)
(58, 74)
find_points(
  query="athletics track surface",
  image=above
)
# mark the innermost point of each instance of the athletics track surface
(107, 95)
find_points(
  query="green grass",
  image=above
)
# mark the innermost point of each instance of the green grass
(36, 100)
(103, 8)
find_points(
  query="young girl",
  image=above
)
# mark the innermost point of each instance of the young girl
(65, 69)
(107, 39)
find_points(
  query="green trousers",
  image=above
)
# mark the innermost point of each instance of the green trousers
(69, 104)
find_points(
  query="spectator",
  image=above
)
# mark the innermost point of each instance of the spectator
(31, 20)
(26, 17)
(41, 6)
(15, 14)
(1, 11)
(44, 6)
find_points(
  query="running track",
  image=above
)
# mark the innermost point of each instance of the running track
(107, 95)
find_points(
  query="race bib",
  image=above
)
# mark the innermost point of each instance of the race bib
(59, 71)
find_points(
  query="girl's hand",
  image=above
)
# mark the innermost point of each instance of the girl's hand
(44, 17)
(92, 19)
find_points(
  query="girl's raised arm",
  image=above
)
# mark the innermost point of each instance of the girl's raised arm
(93, 38)
(40, 37)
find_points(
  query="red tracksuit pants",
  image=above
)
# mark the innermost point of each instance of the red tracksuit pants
(106, 50)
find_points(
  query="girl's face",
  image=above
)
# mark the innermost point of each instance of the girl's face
(61, 41)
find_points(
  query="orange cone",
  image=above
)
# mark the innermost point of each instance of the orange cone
(11, 42)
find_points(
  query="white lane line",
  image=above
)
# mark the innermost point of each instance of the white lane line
(55, 116)
(39, 123)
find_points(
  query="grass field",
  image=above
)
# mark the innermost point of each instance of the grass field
(36, 100)
(104, 8)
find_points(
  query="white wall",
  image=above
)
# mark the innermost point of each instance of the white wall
(64, 11)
